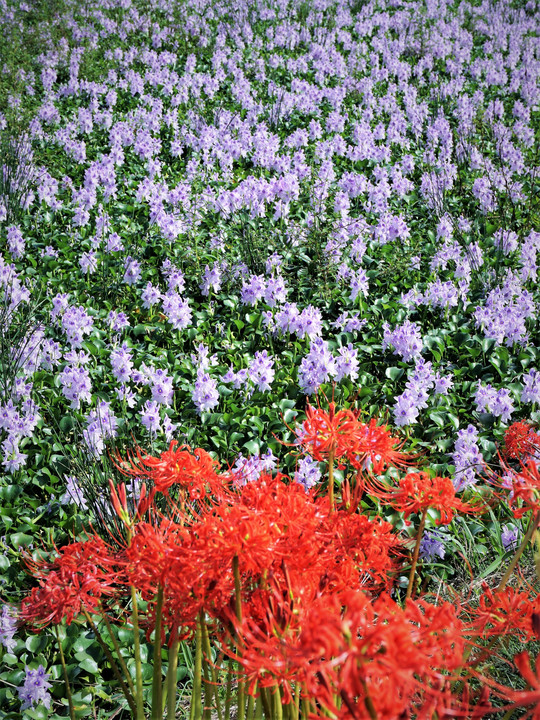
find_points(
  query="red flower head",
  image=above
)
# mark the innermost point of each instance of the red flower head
(81, 575)
(378, 449)
(524, 486)
(330, 433)
(507, 610)
(194, 471)
(520, 441)
(365, 445)
(418, 491)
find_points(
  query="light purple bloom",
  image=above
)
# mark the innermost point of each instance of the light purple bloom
(74, 493)
(205, 394)
(467, 458)
(308, 472)
(509, 537)
(261, 371)
(432, 546)
(8, 627)
(406, 340)
(150, 416)
(531, 389)
(35, 688)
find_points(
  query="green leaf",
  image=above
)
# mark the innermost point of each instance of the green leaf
(19, 539)
(37, 643)
(394, 373)
(252, 446)
(90, 665)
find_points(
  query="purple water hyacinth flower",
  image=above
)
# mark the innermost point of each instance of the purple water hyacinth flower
(202, 360)
(261, 371)
(177, 310)
(150, 295)
(121, 362)
(117, 320)
(76, 385)
(88, 262)
(506, 241)
(359, 284)
(405, 409)
(531, 389)
(275, 292)
(169, 428)
(126, 395)
(150, 416)
(349, 324)
(76, 323)
(252, 290)
(13, 459)
(205, 393)
(467, 458)
(497, 402)
(8, 627)
(432, 546)
(510, 537)
(35, 688)
(250, 469)
(347, 363)
(15, 241)
(308, 473)
(406, 340)
(74, 493)
(212, 278)
(309, 322)
(286, 318)
(162, 388)
(317, 367)
(132, 271)
(101, 424)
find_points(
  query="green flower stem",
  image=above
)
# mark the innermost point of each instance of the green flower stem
(267, 705)
(66, 679)
(170, 687)
(519, 552)
(416, 553)
(208, 652)
(139, 713)
(258, 708)
(278, 707)
(228, 692)
(306, 708)
(296, 701)
(157, 702)
(114, 666)
(195, 712)
(250, 707)
(238, 608)
(208, 690)
(118, 653)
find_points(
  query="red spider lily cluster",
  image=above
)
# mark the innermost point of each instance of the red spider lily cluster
(301, 593)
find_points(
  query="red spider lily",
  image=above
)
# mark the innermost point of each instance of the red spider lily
(520, 441)
(524, 486)
(194, 471)
(418, 491)
(380, 660)
(324, 433)
(148, 557)
(499, 612)
(79, 577)
(370, 546)
(378, 449)
(120, 504)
